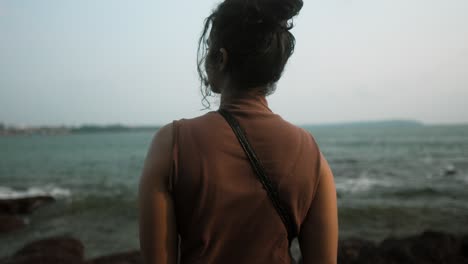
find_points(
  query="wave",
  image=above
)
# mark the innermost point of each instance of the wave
(48, 190)
(362, 184)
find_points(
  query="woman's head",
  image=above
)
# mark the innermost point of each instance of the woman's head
(247, 41)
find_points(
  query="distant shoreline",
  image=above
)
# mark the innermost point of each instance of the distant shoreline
(378, 123)
(63, 130)
(89, 129)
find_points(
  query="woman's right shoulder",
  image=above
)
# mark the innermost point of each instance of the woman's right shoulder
(304, 133)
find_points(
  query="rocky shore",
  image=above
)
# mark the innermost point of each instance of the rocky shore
(426, 248)
(429, 247)
(65, 250)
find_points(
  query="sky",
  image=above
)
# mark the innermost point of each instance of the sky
(69, 62)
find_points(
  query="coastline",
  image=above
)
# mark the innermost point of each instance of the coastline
(66, 130)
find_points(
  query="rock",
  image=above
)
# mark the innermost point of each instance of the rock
(435, 247)
(51, 251)
(464, 247)
(9, 208)
(428, 247)
(23, 205)
(41, 259)
(132, 257)
(395, 250)
(65, 245)
(10, 223)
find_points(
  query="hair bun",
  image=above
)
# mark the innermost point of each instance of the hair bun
(278, 11)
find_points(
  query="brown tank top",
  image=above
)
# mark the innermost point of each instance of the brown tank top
(223, 213)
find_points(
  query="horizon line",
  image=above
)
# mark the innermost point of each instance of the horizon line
(332, 123)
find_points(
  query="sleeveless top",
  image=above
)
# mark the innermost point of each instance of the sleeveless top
(223, 213)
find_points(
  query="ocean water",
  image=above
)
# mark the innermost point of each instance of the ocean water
(391, 181)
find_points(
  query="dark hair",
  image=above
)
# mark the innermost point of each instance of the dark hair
(255, 34)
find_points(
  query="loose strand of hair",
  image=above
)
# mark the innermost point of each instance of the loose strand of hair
(201, 58)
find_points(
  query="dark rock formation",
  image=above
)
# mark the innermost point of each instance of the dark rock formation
(11, 208)
(429, 247)
(132, 257)
(57, 250)
(23, 205)
(9, 223)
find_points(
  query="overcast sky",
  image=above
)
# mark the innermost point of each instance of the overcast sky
(133, 62)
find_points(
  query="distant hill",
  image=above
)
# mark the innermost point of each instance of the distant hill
(378, 124)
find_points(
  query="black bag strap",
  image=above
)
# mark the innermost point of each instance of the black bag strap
(257, 166)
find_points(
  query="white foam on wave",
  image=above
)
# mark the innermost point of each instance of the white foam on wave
(361, 184)
(49, 190)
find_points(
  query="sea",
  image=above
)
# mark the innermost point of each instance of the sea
(390, 180)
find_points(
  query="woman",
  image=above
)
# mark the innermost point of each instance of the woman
(200, 198)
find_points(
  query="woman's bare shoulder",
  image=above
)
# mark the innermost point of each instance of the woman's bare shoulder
(158, 159)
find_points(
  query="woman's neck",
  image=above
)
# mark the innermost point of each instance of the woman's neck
(228, 95)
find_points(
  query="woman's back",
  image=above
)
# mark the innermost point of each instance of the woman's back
(197, 183)
(223, 212)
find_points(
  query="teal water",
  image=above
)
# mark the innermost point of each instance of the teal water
(390, 181)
